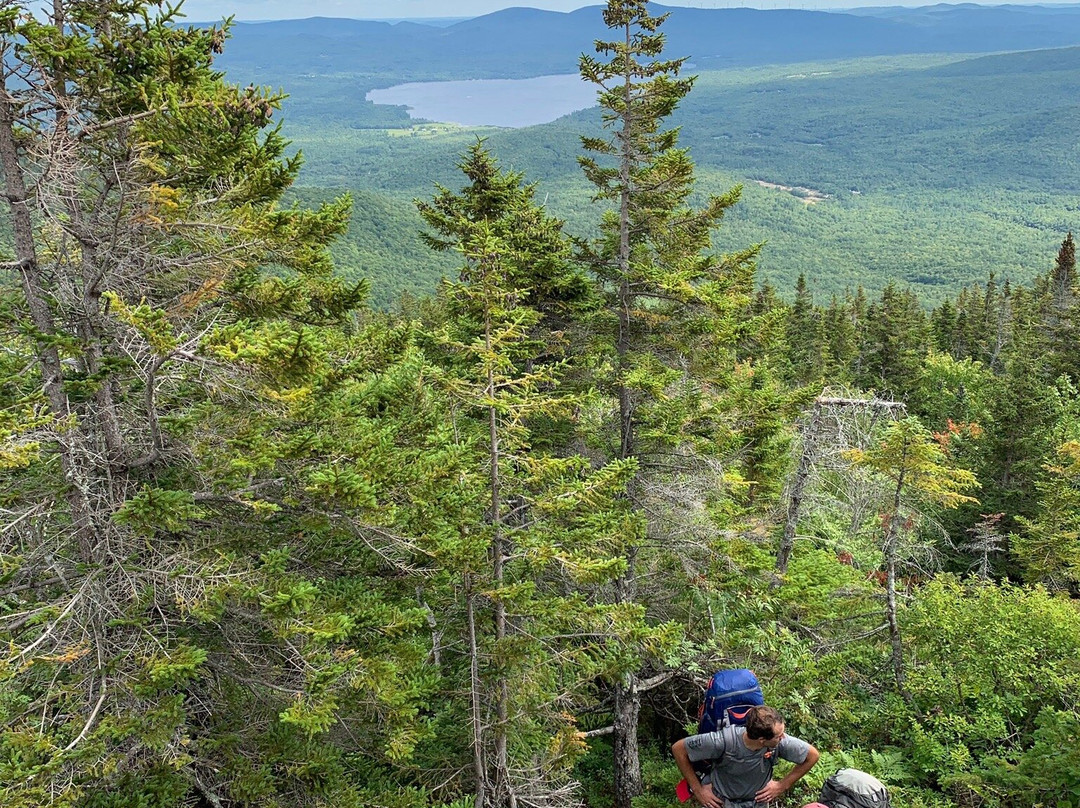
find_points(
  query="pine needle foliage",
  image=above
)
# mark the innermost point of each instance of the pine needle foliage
(672, 316)
(164, 293)
(542, 531)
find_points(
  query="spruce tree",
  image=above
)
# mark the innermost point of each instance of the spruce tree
(1063, 277)
(671, 309)
(1048, 545)
(804, 337)
(1060, 311)
(841, 343)
(548, 282)
(943, 329)
(144, 199)
(542, 530)
(1019, 435)
(895, 343)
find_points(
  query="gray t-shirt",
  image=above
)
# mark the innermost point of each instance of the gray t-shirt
(736, 771)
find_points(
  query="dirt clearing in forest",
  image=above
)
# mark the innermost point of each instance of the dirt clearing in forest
(808, 195)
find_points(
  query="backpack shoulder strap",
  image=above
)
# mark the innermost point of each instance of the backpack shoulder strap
(727, 737)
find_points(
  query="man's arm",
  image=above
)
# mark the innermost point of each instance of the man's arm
(702, 793)
(774, 788)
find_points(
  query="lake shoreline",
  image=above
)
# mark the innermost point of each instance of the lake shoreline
(508, 103)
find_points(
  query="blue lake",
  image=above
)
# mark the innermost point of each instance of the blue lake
(491, 102)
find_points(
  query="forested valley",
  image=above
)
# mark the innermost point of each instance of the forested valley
(273, 535)
(932, 167)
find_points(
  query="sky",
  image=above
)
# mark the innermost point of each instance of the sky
(208, 10)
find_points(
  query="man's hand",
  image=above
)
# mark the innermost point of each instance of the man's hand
(704, 795)
(772, 791)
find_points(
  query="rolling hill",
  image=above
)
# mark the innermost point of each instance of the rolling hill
(521, 42)
(932, 169)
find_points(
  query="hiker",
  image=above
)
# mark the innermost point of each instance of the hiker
(741, 759)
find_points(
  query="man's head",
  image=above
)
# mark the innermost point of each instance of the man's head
(765, 725)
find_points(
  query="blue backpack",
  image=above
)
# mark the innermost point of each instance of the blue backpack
(728, 700)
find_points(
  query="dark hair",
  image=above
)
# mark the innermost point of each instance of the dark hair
(763, 723)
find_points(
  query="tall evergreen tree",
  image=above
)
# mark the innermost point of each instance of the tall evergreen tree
(804, 336)
(1019, 433)
(547, 281)
(943, 330)
(672, 308)
(895, 342)
(1063, 277)
(841, 342)
(1060, 313)
(542, 529)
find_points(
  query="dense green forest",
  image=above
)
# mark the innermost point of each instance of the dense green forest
(275, 534)
(937, 169)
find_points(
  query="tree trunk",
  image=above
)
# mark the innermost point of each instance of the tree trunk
(37, 297)
(504, 790)
(798, 486)
(890, 608)
(627, 762)
(891, 539)
(476, 700)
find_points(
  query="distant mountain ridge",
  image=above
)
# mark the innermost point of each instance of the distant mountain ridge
(521, 42)
(949, 8)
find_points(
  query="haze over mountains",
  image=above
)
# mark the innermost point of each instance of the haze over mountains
(520, 42)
